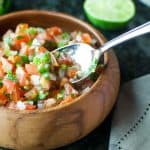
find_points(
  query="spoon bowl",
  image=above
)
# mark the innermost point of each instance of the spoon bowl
(87, 57)
(83, 54)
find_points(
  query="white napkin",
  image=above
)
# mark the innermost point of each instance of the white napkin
(131, 121)
(146, 2)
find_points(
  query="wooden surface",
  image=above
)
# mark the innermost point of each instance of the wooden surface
(51, 128)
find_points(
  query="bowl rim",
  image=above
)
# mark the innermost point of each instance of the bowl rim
(101, 39)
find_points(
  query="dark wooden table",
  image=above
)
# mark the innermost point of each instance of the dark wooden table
(134, 57)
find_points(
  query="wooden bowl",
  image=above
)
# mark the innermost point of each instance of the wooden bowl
(52, 128)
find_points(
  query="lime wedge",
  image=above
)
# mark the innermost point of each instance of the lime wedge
(109, 14)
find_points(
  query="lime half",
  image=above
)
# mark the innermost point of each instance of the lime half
(5, 6)
(109, 14)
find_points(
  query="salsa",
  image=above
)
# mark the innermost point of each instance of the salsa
(32, 76)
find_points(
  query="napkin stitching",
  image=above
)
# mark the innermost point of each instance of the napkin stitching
(130, 131)
(117, 146)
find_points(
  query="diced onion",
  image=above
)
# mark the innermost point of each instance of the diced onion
(35, 80)
(20, 105)
(49, 102)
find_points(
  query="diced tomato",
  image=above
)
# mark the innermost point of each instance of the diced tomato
(86, 38)
(3, 99)
(21, 27)
(10, 85)
(72, 72)
(31, 69)
(17, 94)
(42, 49)
(24, 49)
(42, 37)
(22, 76)
(68, 99)
(30, 107)
(53, 31)
(19, 40)
(2, 73)
(6, 65)
(13, 89)
(31, 51)
(3, 90)
(66, 61)
(31, 94)
(14, 59)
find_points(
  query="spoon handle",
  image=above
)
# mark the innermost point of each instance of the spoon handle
(140, 30)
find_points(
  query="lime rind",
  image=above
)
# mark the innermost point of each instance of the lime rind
(108, 18)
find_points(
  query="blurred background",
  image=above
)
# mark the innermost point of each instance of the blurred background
(134, 56)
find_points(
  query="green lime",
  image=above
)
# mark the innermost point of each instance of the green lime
(109, 14)
(5, 6)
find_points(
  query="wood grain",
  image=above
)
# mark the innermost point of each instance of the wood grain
(52, 128)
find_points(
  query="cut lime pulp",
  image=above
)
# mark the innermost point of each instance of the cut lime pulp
(109, 14)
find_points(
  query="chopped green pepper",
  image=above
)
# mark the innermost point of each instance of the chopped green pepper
(42, 59)
(11, 76)
(42, 95)
(45, 58)
(42, 68)
(31, 31)
(63, 66)
(8, 53)
(61, 95)
(65, 38)
(46, 75)
(24, 59)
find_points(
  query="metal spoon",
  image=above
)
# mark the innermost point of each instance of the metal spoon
(87, 57)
